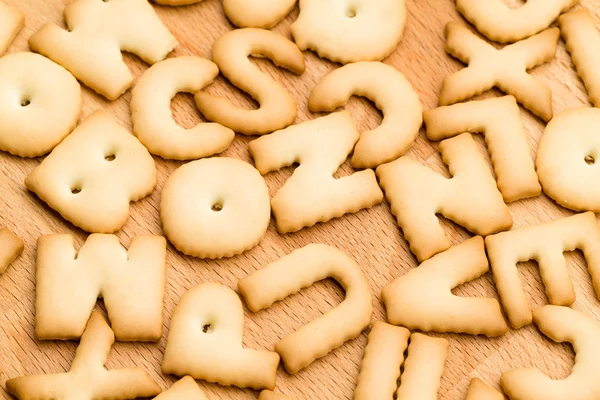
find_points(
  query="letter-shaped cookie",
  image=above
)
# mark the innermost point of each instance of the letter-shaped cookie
(391, 93)
(505, 69)
(11, 246)
(479, 390)
(184, 389)
(257, 13)
(422, 298)
(583, 43)
(215, 207)
(278, 108)
(561, 324)
(470, 198)
(151, 112)
(350, 31)
(40, 103)
(98, 31)
(131, 282)
(205, 341)
(423, 368)
(87, 379)
(499, 120)
(497, 21)
(312, 194)
(93, 174)
(298, 270)
(382, 359)
(11, 22)
(544, 243)
(568, 159)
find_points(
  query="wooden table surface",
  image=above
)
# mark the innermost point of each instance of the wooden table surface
(371, 237)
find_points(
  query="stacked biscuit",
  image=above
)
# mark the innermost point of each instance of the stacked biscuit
(215, 207)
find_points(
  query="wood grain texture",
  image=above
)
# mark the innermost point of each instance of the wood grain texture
(371, 237)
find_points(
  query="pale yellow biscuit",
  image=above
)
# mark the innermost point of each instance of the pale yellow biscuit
(470, 198)
(184, 389)
(499, 120)
(544, 243)
(205, 341)
(501, 23)
(479, 390)
(11, 246)
(269, 395)
(561, 324)
(131, 283)
(298, 270)
(583, 43)
(151, 114)
(423, 368)
(97, 32)
(568, 158)
(40, 103)
(11, 22)
(278, 108)
(382, 359)
(87, 379)
(350, 31)
(312, 194)
(93, 174)
(215, 207)
(257, 13)
(391, 93)
(177, 2)
(505, 69)
(422, 298)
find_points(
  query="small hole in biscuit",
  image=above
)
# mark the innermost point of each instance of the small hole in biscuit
(351, 12)
(207, 328)
(110, 157)
(25, 102)
(589, 160)
(217, 207)
(75, 189)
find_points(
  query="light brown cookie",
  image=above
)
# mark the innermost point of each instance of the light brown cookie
(470, 198)
(505, 69)
(568, 159)
(87, 379)
(33, 118)
(257, 13)
(422, 298)
(11, 246)
(97, 32)
(499, 120)
(423, 368)
(298, 270)
(184, 389)
(11, 22)
(93, 174)
(544, 243)
(501, 23)
(278, 108)
(583, 43)
(177, 2)
(391, 93)
(382, 359)
(561, 324)
(479, 390)
(151, 113)
(215, 207)
(205, 341)
(131, 283)
(350, 31)
(312, 194)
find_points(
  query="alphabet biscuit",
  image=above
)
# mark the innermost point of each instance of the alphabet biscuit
(391, 93)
